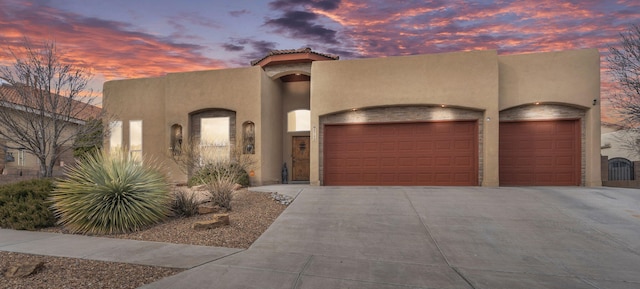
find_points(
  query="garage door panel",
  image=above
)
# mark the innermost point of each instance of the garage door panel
(463, 161)
(564, 161)
(404, 153)
(540, 153)
(543, 144)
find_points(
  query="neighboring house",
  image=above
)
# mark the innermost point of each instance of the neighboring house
(15, 159)
(620, 158)
(615, 140)
(465, 119)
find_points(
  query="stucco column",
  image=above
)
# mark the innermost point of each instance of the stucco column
(314, 156)
(592, 150)
(490, 149)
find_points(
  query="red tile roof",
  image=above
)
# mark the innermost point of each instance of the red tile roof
(295, 51)
(83, 111)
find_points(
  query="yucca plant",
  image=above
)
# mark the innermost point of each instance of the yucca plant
(111, 193)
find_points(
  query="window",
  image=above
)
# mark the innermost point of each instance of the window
(135, 139)
(299, 120)
(214, 138)
(115, 141)
(21, 157)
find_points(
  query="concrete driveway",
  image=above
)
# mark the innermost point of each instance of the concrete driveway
(438, 237)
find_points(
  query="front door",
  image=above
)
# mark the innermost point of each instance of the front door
(300, 158)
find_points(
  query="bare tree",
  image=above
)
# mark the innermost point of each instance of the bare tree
(44, 103)
(624, 67)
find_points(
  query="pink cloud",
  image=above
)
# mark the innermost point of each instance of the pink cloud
(109, 48)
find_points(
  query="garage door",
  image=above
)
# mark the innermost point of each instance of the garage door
(427, 153)
(540, 153)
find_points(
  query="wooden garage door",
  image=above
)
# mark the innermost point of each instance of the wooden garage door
(540, 153)
(427, 153)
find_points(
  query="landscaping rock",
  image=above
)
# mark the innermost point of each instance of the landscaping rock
(218, 221)
(23, 270)
(282, 199)
(208, 209)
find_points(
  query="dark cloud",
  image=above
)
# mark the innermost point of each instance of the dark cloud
(301, 24)
(263, 47)
(343, 53)
(292, 4)
(232, 47)
(238, 13)
(252, 49)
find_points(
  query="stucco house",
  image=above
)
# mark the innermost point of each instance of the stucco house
(16, 160)
(464, 118)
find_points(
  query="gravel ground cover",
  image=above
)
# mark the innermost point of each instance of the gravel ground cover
(252, 214)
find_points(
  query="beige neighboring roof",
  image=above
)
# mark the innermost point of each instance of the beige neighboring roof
(84, 111)
(292, 56)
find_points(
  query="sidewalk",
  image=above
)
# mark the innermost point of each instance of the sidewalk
(110, 249)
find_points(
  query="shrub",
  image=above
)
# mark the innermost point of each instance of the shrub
(111, 193)
(185, 204)
(213, 171)
(220, 190)
(25, 205)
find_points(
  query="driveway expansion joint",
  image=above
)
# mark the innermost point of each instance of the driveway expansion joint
(304, 268)
(428, 233)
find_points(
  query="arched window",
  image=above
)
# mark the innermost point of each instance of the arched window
(213, 131)
(299, 120)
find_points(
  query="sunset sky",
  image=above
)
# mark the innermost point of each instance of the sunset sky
(143, 38)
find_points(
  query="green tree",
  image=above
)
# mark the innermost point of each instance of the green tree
(90, 138)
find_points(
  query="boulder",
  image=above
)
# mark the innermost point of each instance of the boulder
(217, 221)
(23, 270)
(208, 209)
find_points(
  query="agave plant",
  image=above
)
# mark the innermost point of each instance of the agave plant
(111, 193)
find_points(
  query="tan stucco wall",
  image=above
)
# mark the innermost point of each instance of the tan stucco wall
(271, 130)
(138, 99)
(461, 79)
(565, 77)
(31, 162)
(164, 101)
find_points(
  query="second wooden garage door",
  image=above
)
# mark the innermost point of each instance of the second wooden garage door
(540, 153)
(427, 153)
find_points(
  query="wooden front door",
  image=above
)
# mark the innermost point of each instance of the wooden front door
(300, 158)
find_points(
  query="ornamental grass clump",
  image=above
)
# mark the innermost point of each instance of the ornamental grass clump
(111, 193)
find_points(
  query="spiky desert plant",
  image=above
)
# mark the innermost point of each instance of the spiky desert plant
(107, 193)
(220, 188)
(185, 203)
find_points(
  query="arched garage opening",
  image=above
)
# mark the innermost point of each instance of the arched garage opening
(541, 145)
(404, 145)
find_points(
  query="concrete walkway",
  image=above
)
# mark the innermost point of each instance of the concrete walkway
(404, 237)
